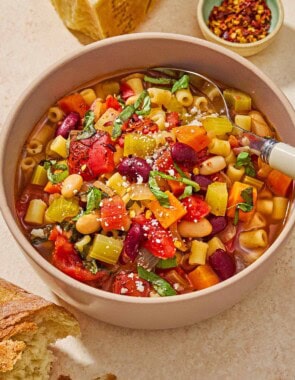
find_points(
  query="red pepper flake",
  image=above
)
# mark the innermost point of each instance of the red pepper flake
(241, 21)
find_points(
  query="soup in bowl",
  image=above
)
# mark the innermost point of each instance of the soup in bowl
(134, 193)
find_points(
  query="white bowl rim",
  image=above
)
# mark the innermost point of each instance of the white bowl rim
(238, 45)
(53, 271)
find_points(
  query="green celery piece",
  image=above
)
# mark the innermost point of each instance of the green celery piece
(105, 249)
(39, 176)
(62, 208)
(162, 287)
(152, 80)
(237, 99)
(167, 263)
(182, 83)
(139, 145)
(218, 125)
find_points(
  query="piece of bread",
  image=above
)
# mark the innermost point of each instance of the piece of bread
(102, 18)
(28, 324)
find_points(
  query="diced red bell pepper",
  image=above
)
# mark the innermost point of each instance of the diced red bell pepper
(158, 241)
(196, 208)
(130, 284)
(112, 102)
(92, 157)
(126, 91)
(66, 259)
(114, 215)
(73, 103)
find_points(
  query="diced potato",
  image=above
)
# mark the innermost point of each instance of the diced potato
(237, 99)
(217, 197)
(198, 253)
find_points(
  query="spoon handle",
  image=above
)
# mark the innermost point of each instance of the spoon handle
(279, 156)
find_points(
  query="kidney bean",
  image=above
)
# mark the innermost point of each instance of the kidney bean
(134, 168)
(133, 241)
(70, 122)
(184, 155)
(203, 181)
(222, 264)
(218, 223)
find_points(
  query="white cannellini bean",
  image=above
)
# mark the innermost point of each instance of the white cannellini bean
(212, 165)
(71, 185)
(195, 230)
(88, 224)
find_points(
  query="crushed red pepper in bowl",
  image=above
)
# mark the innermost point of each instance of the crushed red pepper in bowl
(242, 21)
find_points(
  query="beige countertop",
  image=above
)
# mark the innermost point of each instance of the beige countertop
(255, 338)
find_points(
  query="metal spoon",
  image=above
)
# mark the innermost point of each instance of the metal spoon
(278, 155)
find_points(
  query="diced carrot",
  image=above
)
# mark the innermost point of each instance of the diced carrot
(233, 141)
(52, 188)
(167, 216)
(203, 277)
(73, 103)
(194, 136)
(235, 197)
(278, 183)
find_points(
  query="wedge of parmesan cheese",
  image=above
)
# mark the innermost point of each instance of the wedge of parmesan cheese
(102, 18)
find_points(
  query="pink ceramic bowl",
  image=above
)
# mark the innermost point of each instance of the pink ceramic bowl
(102, 59)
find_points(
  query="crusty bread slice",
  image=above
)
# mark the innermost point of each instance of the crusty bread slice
(28, 324)
(102, 18)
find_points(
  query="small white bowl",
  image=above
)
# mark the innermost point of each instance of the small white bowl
(245, 49)
(102, 59)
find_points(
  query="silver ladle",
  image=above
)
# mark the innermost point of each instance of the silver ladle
(277, 154)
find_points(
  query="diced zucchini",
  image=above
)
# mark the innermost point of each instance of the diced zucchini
(217, 125)
(237, 99)
(117, 183)
(59, 146)
(106, 249)
(139, 145)
(198, 253)
(243, 121)
(217, 197)
(39, 176)
(35, 212)
(62, 208)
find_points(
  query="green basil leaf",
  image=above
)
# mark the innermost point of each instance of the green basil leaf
(167, 263)
(183, 175)
(51, 166)
(122, 117)
(144, 101)
(93, 199)
(88, 126)
(247, 195)
(236, 217)
(162, 287)
(246, 206)
(182, 83)
(188, 191)
(184, 180)
(152, 80)
(158, 193)
(90, 265)
(250, 170)
(244, 159)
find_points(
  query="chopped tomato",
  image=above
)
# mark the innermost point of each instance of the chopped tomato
(172, 118)
(158, 240)
(112, 102)
(74, 103)
(126, 91)
(114, 215)
(130, 284)
(143, 126)
(92, 157)
(52, 188)
(196, 208)
(164, 162)
(66, 259)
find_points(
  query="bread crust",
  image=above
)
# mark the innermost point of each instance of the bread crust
(19, 312)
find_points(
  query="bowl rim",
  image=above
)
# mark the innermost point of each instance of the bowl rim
(28, 249)
(237, 45)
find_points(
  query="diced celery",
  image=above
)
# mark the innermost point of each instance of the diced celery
(198, 253)
(39, 176)
(214, 244)
(35, 212)
(80, 244)
(106, 249)
(243, 121)
(216, 197)
(237, 99)
(139, 145)
(59, 146)
(62, 208)
(117, 183)
(217, 125)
